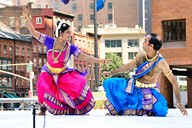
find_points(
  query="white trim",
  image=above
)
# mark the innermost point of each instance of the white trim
(57, 29)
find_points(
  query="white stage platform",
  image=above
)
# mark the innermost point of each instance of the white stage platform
(95, 119)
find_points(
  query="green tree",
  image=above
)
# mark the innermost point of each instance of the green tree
(115, 62)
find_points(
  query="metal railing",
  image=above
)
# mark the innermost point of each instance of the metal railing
(25, 103)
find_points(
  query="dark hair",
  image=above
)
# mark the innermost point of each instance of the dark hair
(60, 27)
(155, 40)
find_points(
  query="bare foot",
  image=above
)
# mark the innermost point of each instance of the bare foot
(108, 114)
(41, 113)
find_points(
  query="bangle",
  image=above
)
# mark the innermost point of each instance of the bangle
(179, 104)
(109, 73)
(99, 61)
(26, 19)
(168, 73)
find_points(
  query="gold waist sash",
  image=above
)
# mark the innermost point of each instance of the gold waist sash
(144, 85)
(55, 70)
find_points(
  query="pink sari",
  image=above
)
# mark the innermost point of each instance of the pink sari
(64, 93)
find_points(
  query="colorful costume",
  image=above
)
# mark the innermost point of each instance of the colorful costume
(63, 90)
(131, 97)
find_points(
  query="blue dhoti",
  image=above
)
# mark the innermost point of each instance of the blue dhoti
(127, 98)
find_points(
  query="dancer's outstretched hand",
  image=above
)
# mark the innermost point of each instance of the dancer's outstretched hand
(104, 61)
(106, 74)
(182, 109)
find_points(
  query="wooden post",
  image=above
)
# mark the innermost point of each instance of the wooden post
(189, 90)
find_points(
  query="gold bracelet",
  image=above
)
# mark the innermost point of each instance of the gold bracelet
(26, 19)
(100, 61)
(179, 104)
(109, 73)
(168, 73)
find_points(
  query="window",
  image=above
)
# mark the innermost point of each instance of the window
(5, 49)
(112, 43)
(35, 61)
(131, 55)
(38, 20)
(44, 49)
(40, 63)
(11, 50)
(9, 84)
(91, 6)
(38, 6)
(74, 7)
(4, 62)
(28, 51)
(182, 78)
(80, 18)
(22, 21)
(174, 30)
(110, 5)
(79, 28)
(119, 54)
(4, 81)
(12, 21)
(91, 17)
(44, 60)
(133, 43)
(110, 17)
(56, 6)
(17, 67)
(89, 83)
(80, 67)
(39, 48)
(17, 51)
(22, 82)
(9, 67)
(34, 49)
(89, 45)
(0, 81)
(23, 52)
(0, 49)
(89, 70)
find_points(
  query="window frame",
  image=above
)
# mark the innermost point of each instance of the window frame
(174, 30)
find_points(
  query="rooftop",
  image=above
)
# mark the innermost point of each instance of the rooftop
(7, 32)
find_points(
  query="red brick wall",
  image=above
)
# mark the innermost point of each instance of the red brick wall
(170, 10)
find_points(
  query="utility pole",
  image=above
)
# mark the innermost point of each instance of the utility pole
(143, 9)
(95, 44)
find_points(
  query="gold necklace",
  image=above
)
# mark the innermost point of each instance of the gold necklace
(55, 59)
(58, 43)
(153, 57)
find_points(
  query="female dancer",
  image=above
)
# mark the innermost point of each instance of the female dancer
(60, 89)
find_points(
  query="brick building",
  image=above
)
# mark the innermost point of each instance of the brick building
(86, 44)
(172, 21)
(44, 20)
(124, 13)
(14, 48)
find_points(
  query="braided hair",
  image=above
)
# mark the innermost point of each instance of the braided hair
(60, 27)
